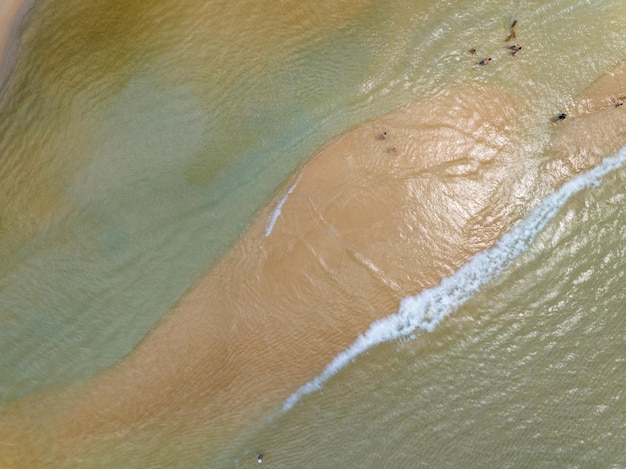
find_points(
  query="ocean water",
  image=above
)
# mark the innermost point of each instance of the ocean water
(139, 141)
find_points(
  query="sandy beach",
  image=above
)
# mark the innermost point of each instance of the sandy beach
(374, 218)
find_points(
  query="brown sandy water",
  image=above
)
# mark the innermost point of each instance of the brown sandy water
(368, 221)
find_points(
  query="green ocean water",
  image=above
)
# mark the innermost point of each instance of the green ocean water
(138, 140)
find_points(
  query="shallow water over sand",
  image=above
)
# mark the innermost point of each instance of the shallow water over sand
(139, 144)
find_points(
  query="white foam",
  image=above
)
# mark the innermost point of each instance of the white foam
(278, 209)
(428, 308)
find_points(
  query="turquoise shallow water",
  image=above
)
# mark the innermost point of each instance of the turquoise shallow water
(138, 142)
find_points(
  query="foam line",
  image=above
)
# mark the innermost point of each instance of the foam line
(428, 308)
(277, 210)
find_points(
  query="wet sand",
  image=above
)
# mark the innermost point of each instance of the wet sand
(8, 13)
(370, 220)
(11, 15)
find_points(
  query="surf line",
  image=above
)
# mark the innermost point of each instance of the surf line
(428, 308)
(278, 209)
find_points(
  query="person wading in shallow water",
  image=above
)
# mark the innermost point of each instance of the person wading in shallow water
(484, 62)
(514, 49)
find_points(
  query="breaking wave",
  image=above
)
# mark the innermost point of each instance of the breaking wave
(278, 209)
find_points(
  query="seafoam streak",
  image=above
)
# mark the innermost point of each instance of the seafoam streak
(278, 209)
(428, 308)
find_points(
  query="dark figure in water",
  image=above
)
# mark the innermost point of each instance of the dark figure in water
(560, 117)
(484, 62)
(514, 49)
(513, 34)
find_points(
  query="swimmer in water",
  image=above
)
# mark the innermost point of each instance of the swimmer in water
(560, 117)
(484, 62)
(383, 136)
(472, 51)
(259, 458)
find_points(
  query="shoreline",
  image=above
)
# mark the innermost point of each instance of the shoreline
(12, 14)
